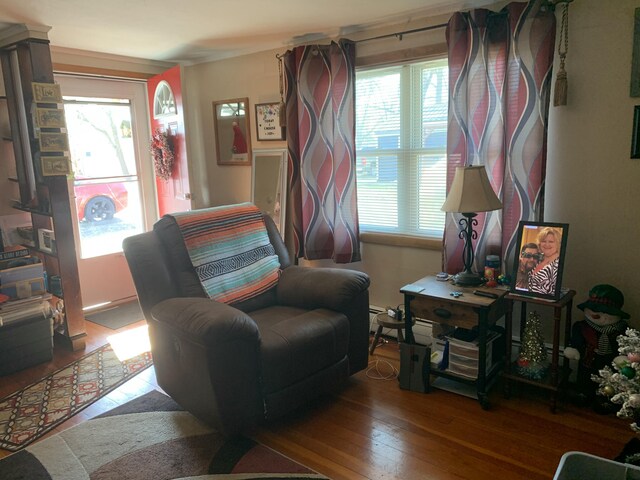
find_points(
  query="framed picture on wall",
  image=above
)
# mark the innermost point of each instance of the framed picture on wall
(537, 270)
(268, 122)
(231, 129)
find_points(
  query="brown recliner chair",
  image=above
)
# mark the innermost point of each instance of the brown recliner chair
(233, 366)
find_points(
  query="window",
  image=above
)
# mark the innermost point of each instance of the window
(401, 142)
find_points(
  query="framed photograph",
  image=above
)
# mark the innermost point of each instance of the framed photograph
(231, 129)
(50, 118)
(58, 165)
(46, 240)
(635, 135)
(46, 92)
(267, 122)
(537, 270)
(54, 142)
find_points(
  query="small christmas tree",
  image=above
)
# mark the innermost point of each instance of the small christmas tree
(622, 383)
(532, 361)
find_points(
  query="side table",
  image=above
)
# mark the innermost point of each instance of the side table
(440, 302)
(555, 380)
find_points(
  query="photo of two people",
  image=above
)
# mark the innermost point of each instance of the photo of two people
(539, 260)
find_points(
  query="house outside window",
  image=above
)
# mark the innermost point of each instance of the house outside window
(401, 140)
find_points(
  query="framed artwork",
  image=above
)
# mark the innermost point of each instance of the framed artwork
(58, 165)
(54, 142)
(46, 92)
(267, 122)
(50, 118)
(231, 129)
(537, 270)
(635, 134)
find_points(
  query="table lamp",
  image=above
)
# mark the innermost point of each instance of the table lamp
(470, 193)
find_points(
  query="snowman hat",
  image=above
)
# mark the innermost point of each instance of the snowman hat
(605, 299)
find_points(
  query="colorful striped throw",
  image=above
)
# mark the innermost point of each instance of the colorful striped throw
(230, 250)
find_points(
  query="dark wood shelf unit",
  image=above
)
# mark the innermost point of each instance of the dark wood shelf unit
(46, 198)
(556, 378)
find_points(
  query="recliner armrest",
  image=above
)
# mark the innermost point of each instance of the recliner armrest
(331, 288)
(205, 321)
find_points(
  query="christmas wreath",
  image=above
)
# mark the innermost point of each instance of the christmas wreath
(162, 154)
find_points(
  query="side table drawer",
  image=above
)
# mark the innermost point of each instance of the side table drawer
(440, 311)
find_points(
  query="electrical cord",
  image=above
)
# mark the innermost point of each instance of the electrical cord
(375, 372)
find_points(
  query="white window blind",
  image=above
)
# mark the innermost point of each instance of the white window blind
(401, 140)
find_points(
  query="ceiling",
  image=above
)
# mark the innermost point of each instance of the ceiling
(205, 30)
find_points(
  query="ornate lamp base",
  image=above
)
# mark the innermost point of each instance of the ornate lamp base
(468, 279)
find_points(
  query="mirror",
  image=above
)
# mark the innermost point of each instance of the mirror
(231, 126)
(269, 184)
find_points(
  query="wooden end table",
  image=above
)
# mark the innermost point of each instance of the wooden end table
(434, 300)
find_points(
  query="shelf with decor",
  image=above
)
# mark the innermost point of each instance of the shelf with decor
(44, 195)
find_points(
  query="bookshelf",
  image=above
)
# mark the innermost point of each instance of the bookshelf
(46, 199)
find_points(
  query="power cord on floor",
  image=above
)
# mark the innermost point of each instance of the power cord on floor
(375, 372)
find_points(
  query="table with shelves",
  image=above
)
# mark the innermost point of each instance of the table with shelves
(556, 378)
(432, 300)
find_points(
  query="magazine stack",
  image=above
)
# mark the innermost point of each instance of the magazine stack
(26, 323)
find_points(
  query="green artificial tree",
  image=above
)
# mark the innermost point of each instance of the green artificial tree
(532, 360)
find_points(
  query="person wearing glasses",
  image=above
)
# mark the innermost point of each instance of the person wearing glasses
(527, 262)
(543, 278)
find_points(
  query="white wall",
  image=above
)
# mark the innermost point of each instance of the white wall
(592, 184)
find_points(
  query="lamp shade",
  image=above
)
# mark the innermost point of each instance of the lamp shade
(471, 192)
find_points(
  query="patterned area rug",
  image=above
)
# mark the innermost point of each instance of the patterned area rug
(149, 438)
(31, 412)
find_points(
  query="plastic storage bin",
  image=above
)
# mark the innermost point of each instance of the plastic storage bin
(583, 466)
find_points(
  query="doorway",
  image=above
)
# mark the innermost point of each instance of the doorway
(112, 185)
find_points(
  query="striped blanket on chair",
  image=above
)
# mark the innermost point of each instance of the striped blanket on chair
(230, 250)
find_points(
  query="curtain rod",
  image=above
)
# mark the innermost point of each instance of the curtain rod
(399, 35)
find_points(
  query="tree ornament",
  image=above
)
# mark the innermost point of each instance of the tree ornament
(608, 390)
(621, 361)
(628, 372)
(634, 357)
(162, 153)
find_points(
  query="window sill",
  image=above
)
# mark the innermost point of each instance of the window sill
(401, 240)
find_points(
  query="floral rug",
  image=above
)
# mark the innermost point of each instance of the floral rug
(149, 438)
(31, 412)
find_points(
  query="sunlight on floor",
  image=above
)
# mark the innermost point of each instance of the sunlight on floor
(130, 343)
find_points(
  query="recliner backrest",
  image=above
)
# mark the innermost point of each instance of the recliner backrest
(187, 282)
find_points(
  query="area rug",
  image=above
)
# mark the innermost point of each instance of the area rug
(149, 438)
(31, 412)
(118, 316)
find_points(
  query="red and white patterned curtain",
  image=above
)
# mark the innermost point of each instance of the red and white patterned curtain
(320, 83)
(499, 81)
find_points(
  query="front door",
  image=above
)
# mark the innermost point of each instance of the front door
(112, 185)
(167, 115)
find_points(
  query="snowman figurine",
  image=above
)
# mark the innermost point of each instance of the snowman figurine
(593, 340)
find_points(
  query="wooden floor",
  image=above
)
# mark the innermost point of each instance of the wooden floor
(374, 430)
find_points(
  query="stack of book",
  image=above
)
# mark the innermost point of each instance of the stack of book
(22, 287)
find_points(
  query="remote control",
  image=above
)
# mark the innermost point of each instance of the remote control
(485, 294)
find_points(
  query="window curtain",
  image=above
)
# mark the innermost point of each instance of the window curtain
(499, 83)
(320, 114)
